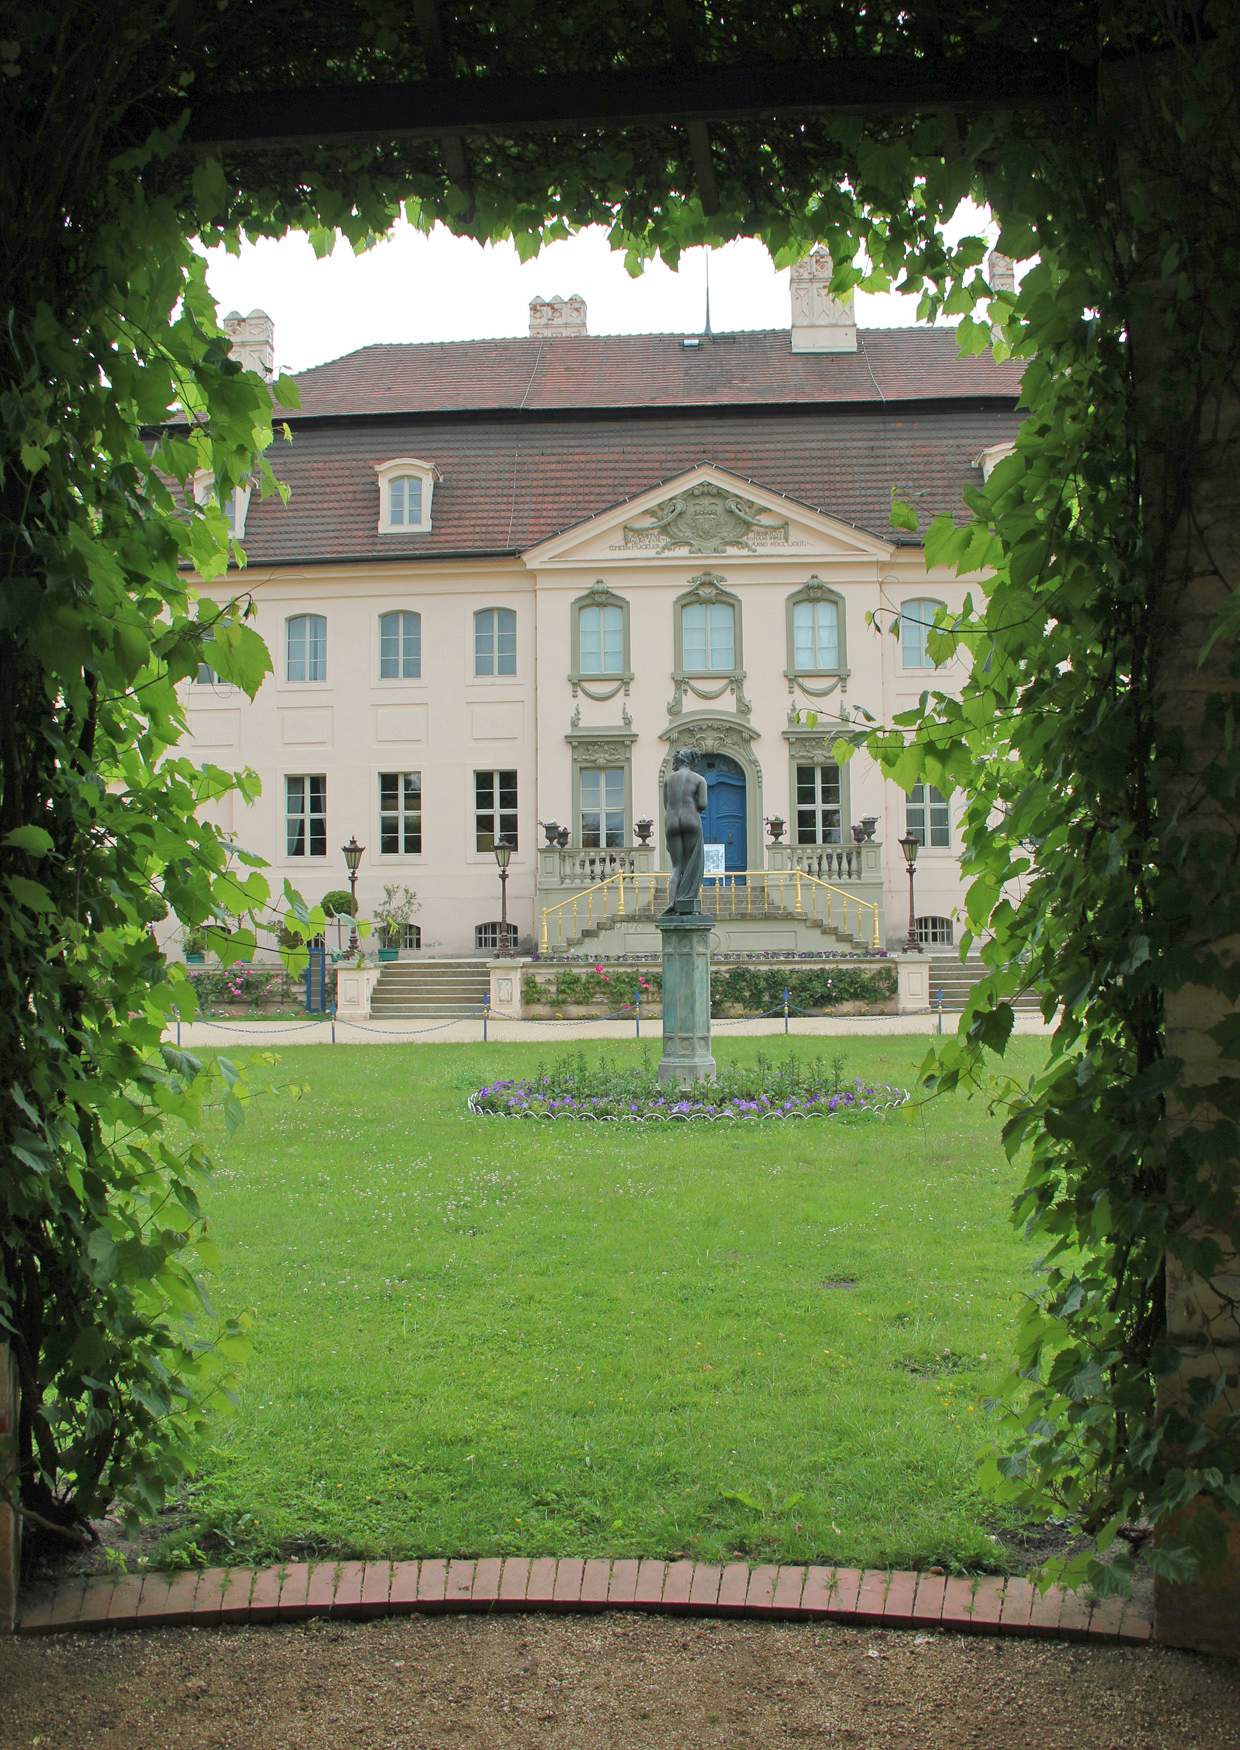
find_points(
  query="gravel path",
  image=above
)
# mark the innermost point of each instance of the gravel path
(612, 1682)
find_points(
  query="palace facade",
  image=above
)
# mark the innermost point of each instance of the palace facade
(512, 576)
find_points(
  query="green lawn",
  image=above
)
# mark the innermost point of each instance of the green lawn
(484, 1336)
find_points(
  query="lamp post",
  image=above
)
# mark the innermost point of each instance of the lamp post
(503, 856)
(910, 846)
(352, 853)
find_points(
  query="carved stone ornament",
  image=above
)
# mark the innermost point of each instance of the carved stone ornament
(707, 519)
(601, 753)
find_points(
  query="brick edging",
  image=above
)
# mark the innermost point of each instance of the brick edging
(862, 1597)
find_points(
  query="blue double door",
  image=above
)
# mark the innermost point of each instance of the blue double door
(724, 822)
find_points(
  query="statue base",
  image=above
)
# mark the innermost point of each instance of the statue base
(686, 1055)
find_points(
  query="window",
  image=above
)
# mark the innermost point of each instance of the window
(235, 501)
(495, 809)
(708, 630)
(916, 619)
(305, 815)
(405, 501)
(205, 675)
(405, 488)
(925, 800)
(306, 648)
(816, 635)
(487, 936)
(400, 646)
(601, 630)
(495, 641)
(935, 932)
(602, 807)
(818, 805)
(411, 936)
(400, 813)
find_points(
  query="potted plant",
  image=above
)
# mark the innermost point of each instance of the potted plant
(775, 825)
(194, 945)
(644, 829)
(393, 912)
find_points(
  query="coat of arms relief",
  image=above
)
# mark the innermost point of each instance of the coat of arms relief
(707, 519)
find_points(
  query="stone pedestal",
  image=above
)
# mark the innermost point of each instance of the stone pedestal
(685, 940)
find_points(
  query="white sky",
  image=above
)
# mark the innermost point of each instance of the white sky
(441, 287)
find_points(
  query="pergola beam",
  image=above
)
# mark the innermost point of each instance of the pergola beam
(650, 97)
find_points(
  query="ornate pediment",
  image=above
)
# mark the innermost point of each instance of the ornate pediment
(706, 519)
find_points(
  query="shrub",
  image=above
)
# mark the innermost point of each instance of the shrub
(750, 990)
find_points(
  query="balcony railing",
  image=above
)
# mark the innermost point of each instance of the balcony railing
(743, 893)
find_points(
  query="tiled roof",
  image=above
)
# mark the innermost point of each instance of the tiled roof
(508, 482)
(649, 370)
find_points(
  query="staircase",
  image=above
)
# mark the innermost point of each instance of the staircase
(956, 978)
(430, 987)
(611, 935)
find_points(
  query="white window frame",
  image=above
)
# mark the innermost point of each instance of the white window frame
(818, 807)
(307, 679)
(816, 663)
(400, 468)
(603, 669)
(237, 507)
(915, 631)
(936, 931)
(400, 615)
(495, 672)
(305, 814)
(487, 936)
(712, 665)
(401, 814)
(504, 821)
(611, 809)
(928, 817)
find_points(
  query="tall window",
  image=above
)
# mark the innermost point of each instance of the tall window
(305, 815)
(818, 805)
(495, 808)
(602, 806)
(708, 633)
(601, 630)
(916, 619)
(306, 648)
(927, 816)
(405, 501)
(495, 641)
(400, 813)
(400, 646)
(816, 635)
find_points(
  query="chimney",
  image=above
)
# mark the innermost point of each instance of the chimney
(252, 340)
(551, 317)
(1000, 272)
(820, 323)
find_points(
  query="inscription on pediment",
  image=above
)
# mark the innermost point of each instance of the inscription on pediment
(706, 519)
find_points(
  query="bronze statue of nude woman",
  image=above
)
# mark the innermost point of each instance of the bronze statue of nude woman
(684, 801)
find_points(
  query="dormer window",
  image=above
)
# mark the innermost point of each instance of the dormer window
(235, 501)
(405, 488)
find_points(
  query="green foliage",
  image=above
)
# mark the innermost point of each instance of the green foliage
(338, 903)
(617, 986)
(393, 912)
(759, 990)
(1095, 871)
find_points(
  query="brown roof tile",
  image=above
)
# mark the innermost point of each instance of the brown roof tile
(508, 482)
(648, 370)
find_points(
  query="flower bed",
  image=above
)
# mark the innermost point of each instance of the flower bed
(735, 990)
(251, 990)
(795, 1088)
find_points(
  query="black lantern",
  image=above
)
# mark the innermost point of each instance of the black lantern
(352, 854)
(503, 856)
(910, 845)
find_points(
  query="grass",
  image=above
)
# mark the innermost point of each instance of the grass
(476, 1336)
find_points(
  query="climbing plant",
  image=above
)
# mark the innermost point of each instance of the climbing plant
(1095, 755)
